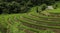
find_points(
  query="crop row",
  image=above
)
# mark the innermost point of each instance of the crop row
(37, 20)
(44, 19)
(29, 28)
(42, 16)
(41, 25)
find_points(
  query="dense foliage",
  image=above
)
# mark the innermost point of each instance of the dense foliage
(21, 6)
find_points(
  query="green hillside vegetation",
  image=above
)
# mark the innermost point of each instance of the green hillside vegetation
(37, 20)
(30, 22)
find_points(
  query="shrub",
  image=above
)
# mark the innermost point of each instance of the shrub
(42, 8)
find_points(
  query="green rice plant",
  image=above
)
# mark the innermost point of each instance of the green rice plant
(41, 16)
(41, 25)
(32, 29)
(10, 23)
(39, 20)
(38, 31)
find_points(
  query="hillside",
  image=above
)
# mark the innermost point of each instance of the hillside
(29, 16)
(31, 22)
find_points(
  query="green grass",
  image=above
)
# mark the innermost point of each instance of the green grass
(54, 11)
(11, 23)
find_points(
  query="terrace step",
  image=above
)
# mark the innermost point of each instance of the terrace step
(42, 22)
(34, 26)
(42, 16)
(41, 25)
(42, 19)
(32, 19)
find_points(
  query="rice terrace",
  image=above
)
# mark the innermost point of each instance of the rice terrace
(29, 16)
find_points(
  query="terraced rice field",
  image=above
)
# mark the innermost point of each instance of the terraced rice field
(30, 23)
(43, 23)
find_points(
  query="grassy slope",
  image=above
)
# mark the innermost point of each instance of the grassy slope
(13, 24)
(54, 11)
(10, 22)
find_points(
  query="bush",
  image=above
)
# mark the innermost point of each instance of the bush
(12, 7)
(43, 7)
